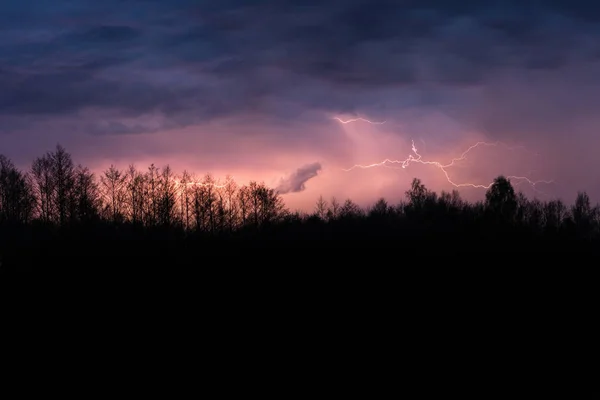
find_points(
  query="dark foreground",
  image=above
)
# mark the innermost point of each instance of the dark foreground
(302, 245)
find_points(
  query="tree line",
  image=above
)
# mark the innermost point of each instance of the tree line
(57, 201)
(57, 192)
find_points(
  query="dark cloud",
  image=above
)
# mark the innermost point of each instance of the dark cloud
(296, 181)
(193, 61)
(104, 34)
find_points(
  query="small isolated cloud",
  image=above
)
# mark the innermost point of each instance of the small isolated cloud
(295, 182)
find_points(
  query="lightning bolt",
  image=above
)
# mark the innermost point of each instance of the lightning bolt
(347, 121)
(215, 184)
(417, 158)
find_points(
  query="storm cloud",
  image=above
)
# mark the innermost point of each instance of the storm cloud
(192, 58)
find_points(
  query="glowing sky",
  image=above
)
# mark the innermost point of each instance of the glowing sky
(252, 89)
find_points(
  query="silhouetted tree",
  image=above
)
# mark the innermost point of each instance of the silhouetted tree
(522, 209)
(17, 200)
(151, 194)
(380, 209)
(501, 200)
(582, 209)
(167, 197)
(44, 184)
(533, 214)
(451, 203)
(554, 215)
(266, 205)
(419, 197)
(243, 200)
(350, 210)
(584, 215)
(135, 196)
(230, 192)
(321, 208)
(114, 184)
(417, 194)
(186, 194)
(334, 209)
(205, 198)
(87, 196)
(64, 179)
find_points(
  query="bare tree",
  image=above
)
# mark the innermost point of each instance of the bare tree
(451, 201)
(255, 202)
(321, 208)
(334, 210)
(87, 195)
(135, 198)
(167, 197)
(220, 211)
(535, 214)
(584, 215)
(204, 199)
(64, 178)
(17, 200)
(186, 195)
(151, 195)
(209, 199)
(197, 207)
(582, 209)
(243, 201)
(266, 205)
(418, 194)
(380, 209)
(456, 201)
(43, 187)
(350, 210)
(113, 190)
(230, 192)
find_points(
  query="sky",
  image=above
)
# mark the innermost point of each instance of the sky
(253, 89)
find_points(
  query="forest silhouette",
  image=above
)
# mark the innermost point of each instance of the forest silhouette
(59, 213)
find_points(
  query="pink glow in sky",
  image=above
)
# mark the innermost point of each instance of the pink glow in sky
(259, 153)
